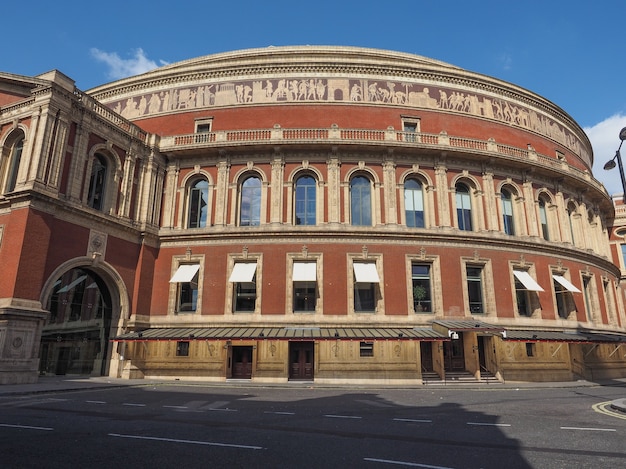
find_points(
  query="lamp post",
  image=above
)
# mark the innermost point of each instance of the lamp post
(611, 163)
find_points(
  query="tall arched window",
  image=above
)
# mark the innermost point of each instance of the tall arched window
(543, 219)
(463, 207)
(97, 182)
(305, 201)
(507, 212)
(250, 203)
(360, 201)
(414, 203)
(198, 204)
(15, 156)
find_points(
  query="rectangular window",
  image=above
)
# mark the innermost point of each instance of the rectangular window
(475, 289)
(410, 127)
(623, 248)
(366, 349)
(563, 290)
(304, 286)
(243, 277)
(524, 286)
(182, 349)
(186, 278)
(203, 129)
(365, 281)
(422, 299)
(530, 349)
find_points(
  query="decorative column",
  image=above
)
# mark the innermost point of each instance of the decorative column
(390, 191)
(276, 184)
(221, 194)
(442, 193)
(333, 164)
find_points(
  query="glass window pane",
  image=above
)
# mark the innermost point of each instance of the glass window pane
(250, 202)
(360, 201)
(305, 201)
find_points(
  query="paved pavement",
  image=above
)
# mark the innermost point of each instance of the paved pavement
(56, 384)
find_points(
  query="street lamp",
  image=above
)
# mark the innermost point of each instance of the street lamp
(611, 163)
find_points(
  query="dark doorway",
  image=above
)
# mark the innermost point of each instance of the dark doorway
(426, 351)
(242, 362)
(481, 353)
(301, 360)
(453, 356)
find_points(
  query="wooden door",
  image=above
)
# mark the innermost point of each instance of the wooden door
(301, 360)
(242, 362)
(453, 356)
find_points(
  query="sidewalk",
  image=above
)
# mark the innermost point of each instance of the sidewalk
(59, 384)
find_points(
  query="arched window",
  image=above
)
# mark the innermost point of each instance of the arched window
(507, 212)
(10, 161)
(15, 156)
(414, 203)
(463, 207)
(250, 203)
(543, 219)
(305, 201)
(198, 204)
(360, 201)
(97, 182)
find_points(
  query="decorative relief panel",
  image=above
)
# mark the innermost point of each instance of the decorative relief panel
(386, 92)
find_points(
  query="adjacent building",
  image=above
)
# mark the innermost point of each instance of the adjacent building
(331, 214)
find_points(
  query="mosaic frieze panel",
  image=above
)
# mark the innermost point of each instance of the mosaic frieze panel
(345, 90)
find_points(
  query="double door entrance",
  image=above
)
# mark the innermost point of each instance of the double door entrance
(453, 355)
(301, 360)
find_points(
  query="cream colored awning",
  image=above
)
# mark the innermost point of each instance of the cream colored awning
(566, 283)
(304, 272)
(526, 280)
(365, 272)
(243, 272)
(185, 273)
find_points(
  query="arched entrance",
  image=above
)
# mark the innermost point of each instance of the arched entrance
(75, 337)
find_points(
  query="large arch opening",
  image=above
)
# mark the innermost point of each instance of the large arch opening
(75, 337)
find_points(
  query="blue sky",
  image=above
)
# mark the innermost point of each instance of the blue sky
(569, 52)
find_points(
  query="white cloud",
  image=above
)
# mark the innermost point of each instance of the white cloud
(122, 68)
(604, 138)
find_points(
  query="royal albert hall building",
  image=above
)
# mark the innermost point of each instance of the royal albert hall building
(331, 214)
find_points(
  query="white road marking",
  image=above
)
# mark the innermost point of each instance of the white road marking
(222, 410)
(405, 463)
(279, 413)
(175, 407)
(28, 427)
(133, 405)
(589, 429)
(414, 420)
(95, 402)
(332, 416)
(193, 442)
(482, 424)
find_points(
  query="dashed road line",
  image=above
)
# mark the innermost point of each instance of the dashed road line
(590, 429)
(333, 416)
(404, 463)
(487, 424)
(95, 402)
(130, 404)
(27, 427)
(192, 442)
(279, 413)
(413, 420)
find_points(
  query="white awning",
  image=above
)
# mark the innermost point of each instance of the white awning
(185, 273)
(566, 283)
(243, 272)
(526, 280)
(304, 271)
(365, 272)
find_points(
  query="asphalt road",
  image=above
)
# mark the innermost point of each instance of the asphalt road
(202, 426)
